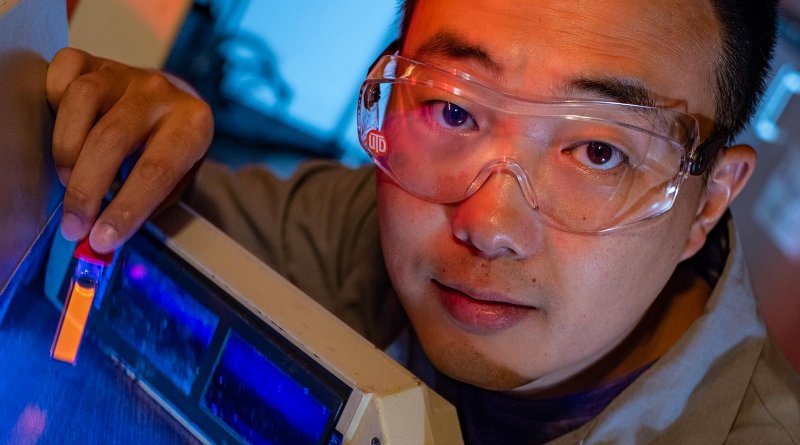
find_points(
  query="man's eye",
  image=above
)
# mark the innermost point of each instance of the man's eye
(451, 116)
(598, 155)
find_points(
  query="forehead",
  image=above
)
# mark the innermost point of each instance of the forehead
(667, 46)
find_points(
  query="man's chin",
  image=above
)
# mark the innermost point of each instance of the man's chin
(472, 367)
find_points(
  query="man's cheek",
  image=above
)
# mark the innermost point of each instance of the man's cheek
(398, 235)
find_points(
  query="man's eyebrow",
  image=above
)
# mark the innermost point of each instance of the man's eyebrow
(625, 91)
(450, 45)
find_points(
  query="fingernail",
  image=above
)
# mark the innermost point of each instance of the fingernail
(63, 175)
(71, 227)
(103, 238)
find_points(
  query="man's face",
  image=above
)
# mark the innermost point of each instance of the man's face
(498, 298)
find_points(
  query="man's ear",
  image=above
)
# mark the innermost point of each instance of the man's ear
(731, 172)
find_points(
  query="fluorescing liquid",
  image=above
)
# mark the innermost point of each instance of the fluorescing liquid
(81, 292)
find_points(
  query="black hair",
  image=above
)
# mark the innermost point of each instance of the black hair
(748, 38)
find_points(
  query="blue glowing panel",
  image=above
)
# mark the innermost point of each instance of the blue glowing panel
(261, 402)
(160, 320)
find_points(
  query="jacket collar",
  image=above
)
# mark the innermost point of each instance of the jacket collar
(707, 371)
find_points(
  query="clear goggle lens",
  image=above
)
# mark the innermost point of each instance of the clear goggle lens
(585, 166)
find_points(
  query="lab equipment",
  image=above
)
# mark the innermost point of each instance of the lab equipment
(237, 354)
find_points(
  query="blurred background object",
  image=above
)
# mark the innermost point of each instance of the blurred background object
(791, 10)
(282, 77)
(767, 212)
(136, 32)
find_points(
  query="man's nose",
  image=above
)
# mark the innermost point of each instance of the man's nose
(497, 220)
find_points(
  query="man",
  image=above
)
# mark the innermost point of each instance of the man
(553, 223)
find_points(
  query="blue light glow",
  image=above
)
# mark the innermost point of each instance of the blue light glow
(261, 402)
(160, 319)
(147, 281)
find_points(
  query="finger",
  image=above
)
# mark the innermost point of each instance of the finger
(67, 65)
(165, 161)
(113, 138)
(84, 99)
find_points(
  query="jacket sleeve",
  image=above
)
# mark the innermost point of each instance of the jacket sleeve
(317, 228)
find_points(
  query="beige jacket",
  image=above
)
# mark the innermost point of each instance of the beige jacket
(723, 382)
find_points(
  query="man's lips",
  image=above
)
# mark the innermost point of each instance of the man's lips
(480, 312)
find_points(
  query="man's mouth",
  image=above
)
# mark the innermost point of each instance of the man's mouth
(483, 314)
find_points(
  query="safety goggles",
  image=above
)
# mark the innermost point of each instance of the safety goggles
(584, 166)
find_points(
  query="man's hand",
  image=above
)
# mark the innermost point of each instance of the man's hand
(105, 112)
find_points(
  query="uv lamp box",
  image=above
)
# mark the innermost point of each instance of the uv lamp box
(237, 354)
